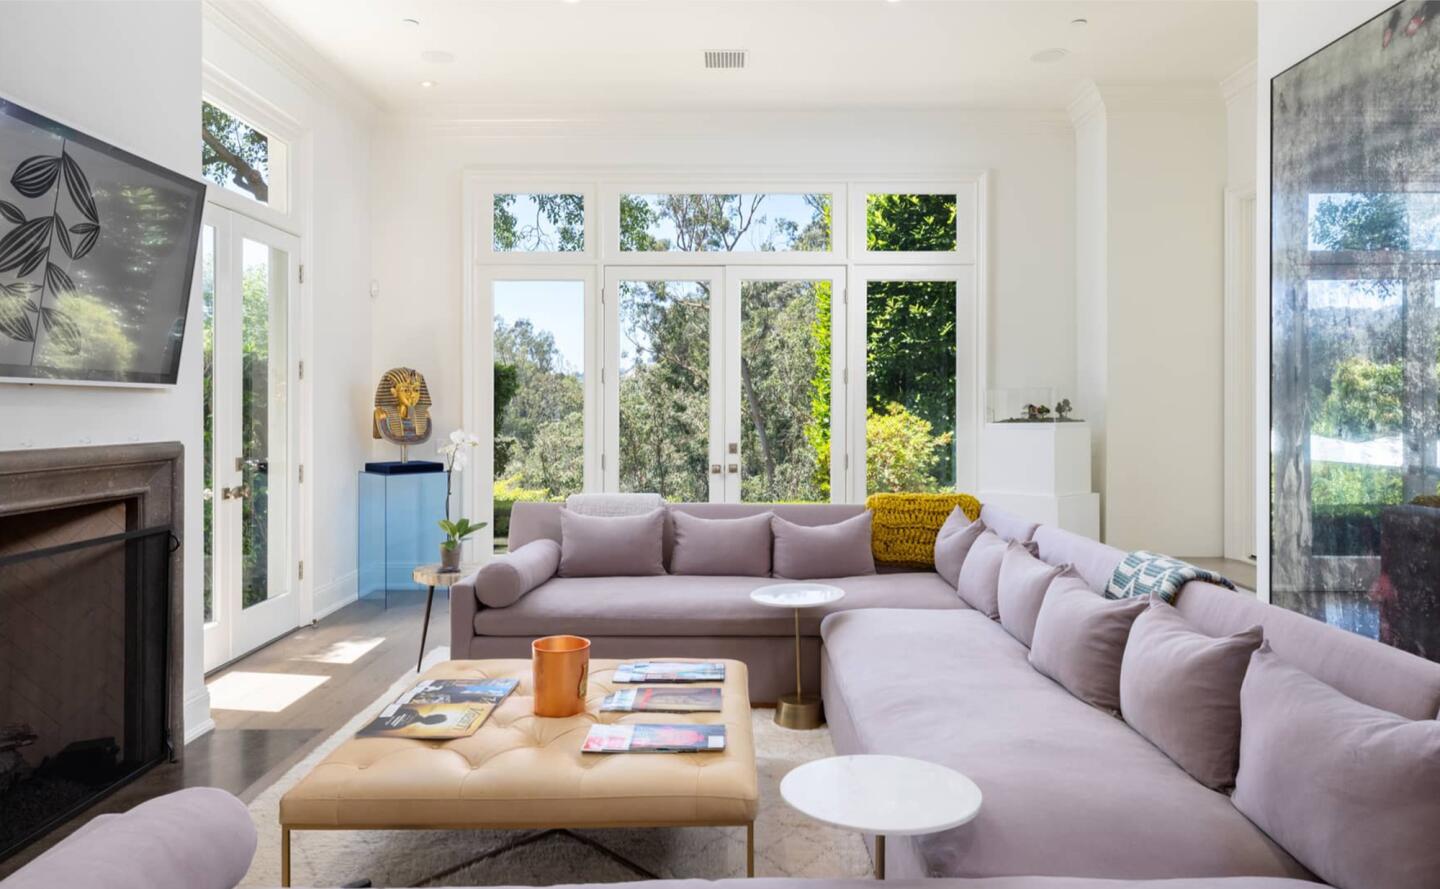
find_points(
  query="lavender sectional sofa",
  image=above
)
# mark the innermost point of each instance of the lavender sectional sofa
(699, 616)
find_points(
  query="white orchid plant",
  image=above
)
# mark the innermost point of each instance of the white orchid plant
(456, 451)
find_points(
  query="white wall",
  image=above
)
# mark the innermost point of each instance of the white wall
(1092, 324)
(1287, 32)
(331, 214)
(416, 211)
(127, 73)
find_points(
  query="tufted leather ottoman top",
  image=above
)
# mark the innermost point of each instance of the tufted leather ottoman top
(521, 771)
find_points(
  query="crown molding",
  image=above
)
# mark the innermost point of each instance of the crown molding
(1242, 81)
(256, 28)
(1161, 96)
(1087, 104)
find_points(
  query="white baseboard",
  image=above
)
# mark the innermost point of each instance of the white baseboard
(197, 715)
(336, 594)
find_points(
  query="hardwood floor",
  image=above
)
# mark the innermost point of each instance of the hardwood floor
(251, 748)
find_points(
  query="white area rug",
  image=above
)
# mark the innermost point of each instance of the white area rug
(786, 843)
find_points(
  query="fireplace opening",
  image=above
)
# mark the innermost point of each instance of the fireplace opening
(84, 656)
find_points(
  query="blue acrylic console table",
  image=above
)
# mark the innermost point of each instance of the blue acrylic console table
(398, 530)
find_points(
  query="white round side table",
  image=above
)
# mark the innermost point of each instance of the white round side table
(893, 795)
(796, 711)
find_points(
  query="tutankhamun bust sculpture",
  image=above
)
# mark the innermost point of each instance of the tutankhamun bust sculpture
(402, 409)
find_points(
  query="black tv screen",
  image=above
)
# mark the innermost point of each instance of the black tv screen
(97, 255)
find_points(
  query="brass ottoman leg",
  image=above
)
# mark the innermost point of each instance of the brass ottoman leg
(284, 856)
(750, 849)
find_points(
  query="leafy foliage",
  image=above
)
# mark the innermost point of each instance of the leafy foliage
(458, 530)
(557, 223)
(1362, 222)
(902, 450)
(233, 153)
(910, 222)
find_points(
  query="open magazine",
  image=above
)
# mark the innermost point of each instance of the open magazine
(440, 709)
(670, 671)
(655, 739)
(663, 700)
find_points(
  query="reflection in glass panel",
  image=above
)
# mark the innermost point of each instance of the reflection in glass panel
(234, 155)
(263, 441)
(539, 394)
(538, 223)
(665, 388)
(1355, 334)
(910, 386)
(207, 308)
(910, 222)
(723, 223)
(785, 391)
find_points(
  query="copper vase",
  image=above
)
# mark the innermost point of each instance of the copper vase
(561, 666)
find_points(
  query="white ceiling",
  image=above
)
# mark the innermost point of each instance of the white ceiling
(529, 56)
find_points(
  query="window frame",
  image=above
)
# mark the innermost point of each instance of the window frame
(968, 231)
(485, 223)
(283, 135)
(610, 201)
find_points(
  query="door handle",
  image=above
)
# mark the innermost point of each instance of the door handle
(714, 468)
(733, 467)
(239, 492)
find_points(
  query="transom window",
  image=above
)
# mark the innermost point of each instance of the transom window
(725, 223)
(241, 158)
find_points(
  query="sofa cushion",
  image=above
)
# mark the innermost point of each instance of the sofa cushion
(1080, 640)
(1092, 560)
(611, 546)
(1024, 581)
(1068, 789)
(1351, 790)
(905, 526)
(673, 605)
(501, 581)
(979, 580)
(1181, 689)
(1007, 524)
(733, 547)
(953, 543)
(806, 552)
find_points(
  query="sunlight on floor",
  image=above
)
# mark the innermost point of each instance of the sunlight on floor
(263, 692)
(346, 651)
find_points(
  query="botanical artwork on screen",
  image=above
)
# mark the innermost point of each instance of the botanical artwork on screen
(1355, 332)
(97, 247)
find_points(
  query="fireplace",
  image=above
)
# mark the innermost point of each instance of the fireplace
(90, 593)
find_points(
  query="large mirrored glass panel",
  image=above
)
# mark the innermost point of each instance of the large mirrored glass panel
(1355, 337)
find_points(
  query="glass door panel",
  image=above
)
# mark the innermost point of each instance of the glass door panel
(249, 276)
(664, 423)
(785, 384)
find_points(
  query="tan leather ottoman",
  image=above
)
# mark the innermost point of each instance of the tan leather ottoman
(524, 772)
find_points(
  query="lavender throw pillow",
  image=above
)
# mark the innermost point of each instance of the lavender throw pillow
(1080, 640)
(1181, 689)
(1348, 789)
(721, 546)
(953, 543)
(1024, 581)
(612, 546)
(979, 580)
(806, 552)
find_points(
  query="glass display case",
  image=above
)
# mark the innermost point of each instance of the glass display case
(398, 529)
(1029, 404)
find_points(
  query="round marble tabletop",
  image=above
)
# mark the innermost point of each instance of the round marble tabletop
(434, 575)
(882, 794)
(796, 595)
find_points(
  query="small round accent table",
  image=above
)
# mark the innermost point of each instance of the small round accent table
(882, 795)
(433, 575)
(797, 711)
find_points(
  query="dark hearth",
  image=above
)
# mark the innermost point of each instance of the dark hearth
(89, 628)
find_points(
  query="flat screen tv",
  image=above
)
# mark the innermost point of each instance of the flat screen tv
(97, 255)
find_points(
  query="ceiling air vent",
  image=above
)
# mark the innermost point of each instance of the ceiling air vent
(724, 58)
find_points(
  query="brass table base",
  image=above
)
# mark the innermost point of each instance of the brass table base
(793, 711)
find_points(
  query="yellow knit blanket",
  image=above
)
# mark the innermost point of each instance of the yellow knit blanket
(904, 527)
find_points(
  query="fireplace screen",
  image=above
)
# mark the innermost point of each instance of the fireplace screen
(1355, 332)
(84, 613)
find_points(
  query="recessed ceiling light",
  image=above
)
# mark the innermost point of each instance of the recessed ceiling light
(438, 56)
(1079, 23)
(427, 83)
(409, 21)
(1050, 56)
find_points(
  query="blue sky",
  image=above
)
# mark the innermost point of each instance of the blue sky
(554, 306)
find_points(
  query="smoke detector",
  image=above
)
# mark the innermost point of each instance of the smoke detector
(725, 58)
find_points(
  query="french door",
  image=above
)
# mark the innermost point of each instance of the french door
(250, 288)
(725, 384)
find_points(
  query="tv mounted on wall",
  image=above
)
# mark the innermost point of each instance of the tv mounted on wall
(97, 256)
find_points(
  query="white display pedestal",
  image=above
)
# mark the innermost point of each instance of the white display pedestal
(1040, 471)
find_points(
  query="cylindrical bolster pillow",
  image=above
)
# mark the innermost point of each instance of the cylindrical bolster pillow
(199, 838)
(503, 580)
